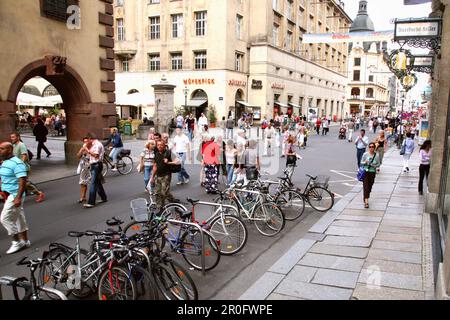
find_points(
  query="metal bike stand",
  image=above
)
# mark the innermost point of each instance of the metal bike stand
(213, 204)
(199, 228)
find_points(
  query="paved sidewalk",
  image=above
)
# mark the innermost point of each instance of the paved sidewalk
(381, 253)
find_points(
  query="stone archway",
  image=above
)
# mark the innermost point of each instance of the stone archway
(83, 115)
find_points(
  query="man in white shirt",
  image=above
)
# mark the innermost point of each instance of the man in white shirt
(269, 134)
(202, 122)
(241, 139)
(182, 147)
(361, 144)
(180, 121)
(96, 152)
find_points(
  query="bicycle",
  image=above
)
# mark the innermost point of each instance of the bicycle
(124, 165)
(33, 290)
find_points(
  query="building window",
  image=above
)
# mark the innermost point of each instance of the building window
(200, 23)
(275, 5)
(239, 62)
(369, 93)
(119, 3)
(355, 93)
(370, 78)
(125, 65)
(120, 30)
(177, 61)
(155, 28)
(288, 42)
(239, 21)
(357, 62)
(153, 2)
(56, 9)
(200, 60)
(154, 62)
(356, 75)
(275, 33)
(177, 25)
(289, 9)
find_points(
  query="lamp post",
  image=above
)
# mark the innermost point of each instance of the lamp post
(403, 98)
(186, 92)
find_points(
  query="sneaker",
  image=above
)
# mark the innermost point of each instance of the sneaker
(40, 197)
(407, 169)
(48, 156)
(114, 170)
(88, 206)
(102, 201)
(27, 243)
(15, 247)
(179, 183)
(186, 181)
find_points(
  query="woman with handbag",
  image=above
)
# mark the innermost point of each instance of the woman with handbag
(147, 160)
(406, 151)
(210, 153)
(370, 162)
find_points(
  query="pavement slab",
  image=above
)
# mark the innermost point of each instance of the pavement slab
(386, 236)
(363, 213)
(352, 232)
(400, 230)
(262, 288)
(324, 222)
(363, 292)
(356, 224)
(302, 274)
(343, 251)
(392, 280)
(348, 241)
(277, 296)
(359, 218)
(294, 254)
(395, 255)
(332, 262)
(401, 223)
(399, 217)
(312, 291)
(395, 245)
(394, 267)
(336, 278)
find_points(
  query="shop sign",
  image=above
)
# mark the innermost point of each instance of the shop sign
(199, 81)
(419, 33)
(237, 83)
(278, 86)
(257, 84)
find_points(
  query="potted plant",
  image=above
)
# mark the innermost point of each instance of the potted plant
(212, 116)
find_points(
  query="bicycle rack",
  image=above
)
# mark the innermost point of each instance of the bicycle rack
(202, 233)
(213, 204)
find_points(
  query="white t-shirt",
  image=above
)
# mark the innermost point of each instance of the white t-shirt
(180, 121)
(181, 143)
(202, 121)
(270, 132)
(361, 145)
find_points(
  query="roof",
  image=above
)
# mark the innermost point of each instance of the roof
(362, 21)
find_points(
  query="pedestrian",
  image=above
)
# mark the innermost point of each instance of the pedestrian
(182, 147)
(325, 127)
(161, 175)
(361, 145)
(318, 125)
(41, 132)
(252, 162)
(13, 174)
(408, 145)
(370, 162)
(180, 121)
(231, 159)
(202, 122)
(230, 128)
(223, 126)
(210, 154)
(151, 134)
(301, 137)
(20, 151)
(147, 160)
(424, 169)
(269, 134)
(351, 129)
(291, 154)
(205, 138)
(96, 151)
(84, 171)
(381, 146)
(115, 140)
(190, 124)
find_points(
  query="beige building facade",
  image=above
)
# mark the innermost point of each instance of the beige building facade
(236, 56)
(76, 57)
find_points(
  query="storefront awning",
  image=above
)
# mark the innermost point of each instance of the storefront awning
(135, 99)
(196, 103)
(246, 104)
(281, 104)
(294, 105)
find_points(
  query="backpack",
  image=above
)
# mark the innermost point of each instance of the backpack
(30, 155)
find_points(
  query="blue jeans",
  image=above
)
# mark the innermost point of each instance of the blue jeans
(229, 134)
(359, 155)
(230, 173)
(96, 185)
(114, 153)
(147, 175)
(191, 134)
(182, 175)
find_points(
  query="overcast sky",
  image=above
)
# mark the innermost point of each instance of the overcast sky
(383, 11)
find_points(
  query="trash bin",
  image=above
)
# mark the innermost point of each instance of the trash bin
(127, 129)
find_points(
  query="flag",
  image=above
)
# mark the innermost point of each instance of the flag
(412, 2)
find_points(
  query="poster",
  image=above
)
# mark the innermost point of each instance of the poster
(424, 131)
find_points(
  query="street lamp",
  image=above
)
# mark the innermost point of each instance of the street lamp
(403, 98)
(186, 92)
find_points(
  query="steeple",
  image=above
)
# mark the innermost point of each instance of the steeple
(362, 21)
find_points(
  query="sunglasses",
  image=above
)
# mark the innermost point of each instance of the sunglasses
(372, 147)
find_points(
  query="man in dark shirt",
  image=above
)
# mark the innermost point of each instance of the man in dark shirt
(162, 174)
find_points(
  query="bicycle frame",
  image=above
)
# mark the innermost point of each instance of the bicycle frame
(248, 213)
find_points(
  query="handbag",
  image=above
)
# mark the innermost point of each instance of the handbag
(175, 166)
(362, 171)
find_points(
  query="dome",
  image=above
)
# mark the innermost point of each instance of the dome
(362, 21)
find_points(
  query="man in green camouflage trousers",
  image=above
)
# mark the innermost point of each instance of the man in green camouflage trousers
(162, 174)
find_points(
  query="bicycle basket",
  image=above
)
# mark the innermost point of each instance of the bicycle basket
(140, 210)
(322, 181)
(125, 152)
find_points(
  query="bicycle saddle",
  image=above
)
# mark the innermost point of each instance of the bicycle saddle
(192, 201)
(185, 214)
(75, 234)
(309, 176)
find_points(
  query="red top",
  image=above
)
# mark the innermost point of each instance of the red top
(211, 152)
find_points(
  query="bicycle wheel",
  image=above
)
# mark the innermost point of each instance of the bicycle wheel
(145, 283)
(191, 250)
(291, 203)
(320, 199)
(230, 202)
(116, 284)
(169, 283)
(231, 232)
(185, 278)
(55, 274)
(105, 168)
(268, 219)
(125, 165)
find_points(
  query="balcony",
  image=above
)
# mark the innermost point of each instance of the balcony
(125, 48)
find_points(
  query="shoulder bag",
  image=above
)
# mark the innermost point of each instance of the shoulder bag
(362, 170)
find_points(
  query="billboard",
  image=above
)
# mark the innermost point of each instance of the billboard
(372, 36)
